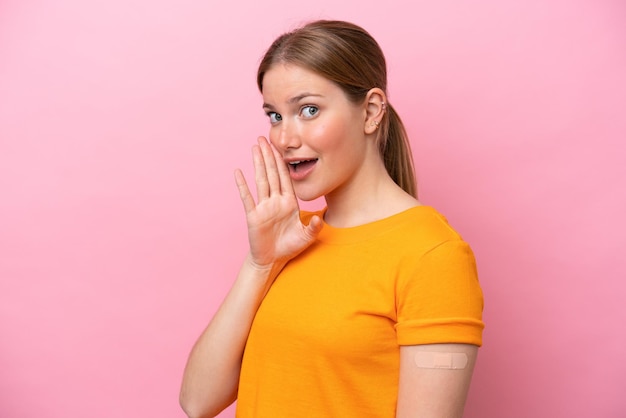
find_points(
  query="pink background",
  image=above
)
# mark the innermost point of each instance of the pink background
(121, 123)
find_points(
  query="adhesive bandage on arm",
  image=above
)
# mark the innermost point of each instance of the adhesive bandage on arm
(439, 360)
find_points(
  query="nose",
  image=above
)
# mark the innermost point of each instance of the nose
(285, 136)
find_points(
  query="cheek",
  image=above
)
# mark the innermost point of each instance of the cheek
(329, 135)
(273, 137)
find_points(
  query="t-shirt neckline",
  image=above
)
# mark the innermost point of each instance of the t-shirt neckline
(338, 235)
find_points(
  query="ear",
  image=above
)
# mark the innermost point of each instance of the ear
(374, 109)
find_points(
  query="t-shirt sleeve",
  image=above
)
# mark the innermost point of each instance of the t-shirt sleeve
(439, 299)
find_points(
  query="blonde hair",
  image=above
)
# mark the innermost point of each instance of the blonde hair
(347, 55)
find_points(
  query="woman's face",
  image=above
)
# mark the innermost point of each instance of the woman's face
(317, 130)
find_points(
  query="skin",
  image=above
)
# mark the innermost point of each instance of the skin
(311, 119)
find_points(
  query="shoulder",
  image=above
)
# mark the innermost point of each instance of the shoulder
(426, 227)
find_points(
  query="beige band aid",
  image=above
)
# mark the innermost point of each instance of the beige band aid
(437, 360)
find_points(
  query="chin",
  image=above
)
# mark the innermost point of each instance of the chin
(307, 198)
(308, 195)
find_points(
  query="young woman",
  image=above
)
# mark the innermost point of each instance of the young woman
(368, 308)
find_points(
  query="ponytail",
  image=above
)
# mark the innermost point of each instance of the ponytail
(396, 153)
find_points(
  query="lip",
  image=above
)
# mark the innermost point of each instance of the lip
(300, 172)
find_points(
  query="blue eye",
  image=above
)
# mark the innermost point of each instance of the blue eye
(274, 117)
(309, 111)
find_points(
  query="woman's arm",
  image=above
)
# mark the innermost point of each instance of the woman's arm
(276, 235)
(434, 380)
(211, 376)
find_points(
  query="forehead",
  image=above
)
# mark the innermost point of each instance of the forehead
(284, 81)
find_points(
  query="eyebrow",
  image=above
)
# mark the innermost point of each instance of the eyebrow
(294, 99)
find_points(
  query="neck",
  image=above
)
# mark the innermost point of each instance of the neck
(373, 197)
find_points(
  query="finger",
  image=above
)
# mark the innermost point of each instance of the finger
(283, 173)
(270, 166)
(260, 175)
(314, 227)
(244, 191)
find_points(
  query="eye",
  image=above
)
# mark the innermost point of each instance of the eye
(309, 111)
(274, 117)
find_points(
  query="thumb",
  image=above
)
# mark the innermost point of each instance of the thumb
(314, 227)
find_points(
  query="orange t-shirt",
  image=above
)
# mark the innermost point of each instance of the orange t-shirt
(326, 339)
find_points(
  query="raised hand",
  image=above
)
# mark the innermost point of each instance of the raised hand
(275, 231)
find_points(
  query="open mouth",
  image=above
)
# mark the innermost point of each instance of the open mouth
(301, 165)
